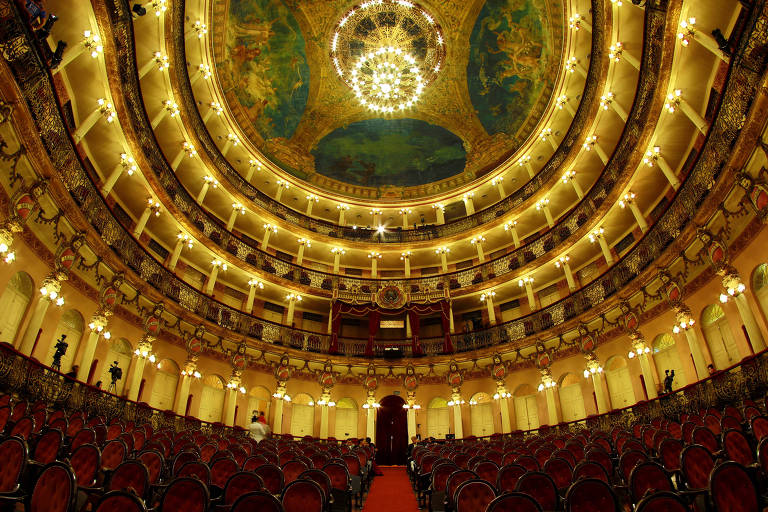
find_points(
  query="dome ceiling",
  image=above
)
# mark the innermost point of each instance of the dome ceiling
(274, 68)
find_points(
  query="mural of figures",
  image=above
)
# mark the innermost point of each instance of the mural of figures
(266, 65)
(511, 62)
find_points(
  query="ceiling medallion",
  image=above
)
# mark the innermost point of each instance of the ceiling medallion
(387, 52)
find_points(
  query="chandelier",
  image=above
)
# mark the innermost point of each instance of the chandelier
(387, 52)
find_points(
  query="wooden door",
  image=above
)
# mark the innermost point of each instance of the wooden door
(391, 432)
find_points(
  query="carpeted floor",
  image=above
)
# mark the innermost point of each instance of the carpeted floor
(391, 492)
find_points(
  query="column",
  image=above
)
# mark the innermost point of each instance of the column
(451, 326)
(375, 214)
(252, 166)
(277, 426)
(487, 297)
(138, 373)
(268, 229)
(543, 205)
(406, 258)
(281, 185)
(232, 141)
(97, 325)
(570, 177)
(183, 395)
(563, 262)
(644, 356)
(439, 212)
(551, 406)
(498, 181)
(526, 162)
(181, 241)
(698, 356)
(342, 210)
(337, 252)
(458, 428)
(506, 424)
(598, 236)
(608, 100)
(688, 32)
(511, 226)
(230, 401)
(443, 251)
(303, 242)
(52, 289)
(91, 43)
(311, 200)
(207, 183)
(527, 283)
(597, 383)
(675, 100)
(215, 265)
(236, 208)
(292, 299)
(103, 109)
(404, 213)
(186, 149)
(153, 207)
(411, 417)
(748, 317)
(478, 243)
(127, 164)
(252, 285)
(324, 409)
(375, 257)
(616, 53)
(628, 200)
(653, 156)
(547, 136)
(591, 143)
(469, 202)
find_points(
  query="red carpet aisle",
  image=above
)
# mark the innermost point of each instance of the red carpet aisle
(391, 492)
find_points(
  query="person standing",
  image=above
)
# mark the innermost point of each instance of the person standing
(668, 380)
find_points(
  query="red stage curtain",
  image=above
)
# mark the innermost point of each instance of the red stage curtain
(413, 318)
(445, 310)
(374, 317)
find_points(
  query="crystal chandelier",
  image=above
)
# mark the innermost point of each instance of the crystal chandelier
(387, 52)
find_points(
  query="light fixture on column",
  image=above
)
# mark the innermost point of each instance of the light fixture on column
(589, 143)
(342, 206)
(562, 261)
(673, 101)
(216, 108)
(201, 29)
(281, 396)
(270, 227)
(6, 240)
(220, 264)
(687, 31)
(312, 198)
(374, 255)
(498, 179)
(592, 368)
(487, 295)
(306, 242)
(627, 199)
(570, 64)
(438, 206)
(595, 235)
(525, 280)
(683, 322)
(574, 22)
(545, 134)
(375, 211)
(509, 225)
(171, 107)
(405, 211)
(415, 407)
(293, 297)
(569, 176)
(161, 61)
(238, 207)
(51, 290)
(458, 401)
(561, 101)
(234, 383)
(233, 139)
(325, 403)
(160, 6)
(186, 240)
(617, 3)
(255, 283)
(638, 349)
(652, 156)
(547, 382)
(374, 405)
(524, 160)
(405, 255)
(92, 43)
(542, 203)
(107, 110)
(442, 250)
(338, 250)
(191, 372)
(503, 394)
(477, 240)
(615, 51)
(606, 100)
(100, 328)
(733, 287)
(144, 351)
(468, 195)
(154, 206)
(205, 71)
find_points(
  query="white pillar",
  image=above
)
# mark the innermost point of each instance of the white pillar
(203, 192)
(708, 42)
(597, 383)
(211, 279)
(252, 165)
(748, 317)
(469, 203)
(176, 252)
(230, 401)
(440, 214)
(237, 208)
(500, 188)
(374, 262)
(668, 172)
(638, 216)
(698, 121)
(69, 56)
(311, 200)
(577, 188)
(91, 120)
(216, 108)
(280, 187)
(443, 260)
(268, 228)
(451, 326)
(650, 381)
(696, 352)
(183, 395)
(406, 257)
(411, 417)
(252, 284)
(232, 141)
(300, 256)
(548, 215)
(30, 334)
(598, 235)
(336, 260)
(478, 243)
(277, 426)
(529, 294)
(142, 223)
(512, 228)
(458, 428)
(291, 309)
(138, 372)
(563, 261)
(324, 422)
(526, 162)
(506, 424)
(87, 359)
(342, 210)
(370, 423)
(491, 311)
(127, 164)
(551, 406)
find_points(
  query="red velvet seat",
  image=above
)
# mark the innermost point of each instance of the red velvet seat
(185, 494)
(13, 454)
(241, 483)
(5, 416)
(737, 447)
(83, 436)
(292, 469)
(508, 477)
(601, 457)
(112, 454)
(18, 411)
(732, 489)
(85, 462)
(541, 487)
(303, 496)
(319, 459)
(662, 502)
(759, 426)
(272, 476)
(75, 425)
(528, 462)
(513, 502)
(591, 495)
(487, 470)
(120, 501)
(322, 479)
(628, 461)
(221, 470)
(705, 437)
(196, 469)
(588, 469)
(54, 490)
(260, 500)
(560, 470)
(669, 453)
(180, 459)
(131, 475)
(454, 481)
(47, 446)
(696, 463)
(154, 463)
(473, 495)
(24, 427)
(648, 478)
(253, 462)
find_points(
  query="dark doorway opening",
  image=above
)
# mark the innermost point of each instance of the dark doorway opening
(391, 432)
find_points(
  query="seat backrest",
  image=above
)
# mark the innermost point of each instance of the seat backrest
(321, 478)
(13, 454)
(589, 469)
(241, 483)
(759, 426)
(303, 496)
(185, 494)
(83, 436)
(528, 462)
(473, 495)
(24, 427)
(541, 487)
(628, 461)
(338, 474)
(696, 464)
(353, 464)
(19, 410)
(154, 462)
(131, 475)
(54, 490)
(86, 461)
(440, 474)
(120, 501)
(737, 447)
(560, 470)
(272, 476)
(180, 459)
(513, 501)
(113, 454)
(196, 469)
(508, 477)
(292, 469)
(455, 480)
(47, 446)
(662, 502)
(591, 495)
(262, 501)
(487, 470)
(732, 489)
(669, 453)
(648, 478)
(705, 437)
(221, 470)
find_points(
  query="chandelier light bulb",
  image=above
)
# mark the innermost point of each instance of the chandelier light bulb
(615, 51)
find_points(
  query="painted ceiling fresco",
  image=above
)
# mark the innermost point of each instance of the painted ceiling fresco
(273, 65)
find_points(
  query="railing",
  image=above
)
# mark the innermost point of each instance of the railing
(32, 380)
(35, 83)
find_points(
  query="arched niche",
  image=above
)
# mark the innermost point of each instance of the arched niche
(719, 337)
(346, 419)
(72, 325)
(164, 385)
(212, 398)
(760, 286)
(571, 397)
(526, 407)
(120, 351)
(438, 418)
(481, 414)
(259, 400)
(666, 357)
(302, 415)
(14, 303)
(619, 382)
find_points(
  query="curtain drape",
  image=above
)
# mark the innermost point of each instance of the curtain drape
(445, 311)
(413, 318)
(374, 318)
(335, 327)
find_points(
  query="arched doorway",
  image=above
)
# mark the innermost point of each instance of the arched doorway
(391, 432)
(719, 337)
(481, 414)
(526, 407)
(666, 358)
(302, 415)
(571, 397)
(120, 351)
(346, 419)
(212, 399)
(438, 418)
(72, 325)
(164, 385)
(619, 382)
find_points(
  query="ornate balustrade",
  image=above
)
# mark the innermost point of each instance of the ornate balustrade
(35, 83)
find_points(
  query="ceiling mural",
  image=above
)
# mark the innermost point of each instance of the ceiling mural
(510, 62)
(396, 152)
(274, 65)
(265, 66)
